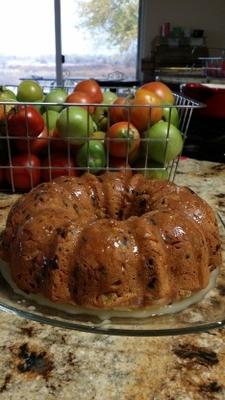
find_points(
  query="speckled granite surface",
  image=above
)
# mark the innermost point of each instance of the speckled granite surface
(42, 362)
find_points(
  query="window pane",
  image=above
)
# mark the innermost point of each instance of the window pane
(99, 38)
(27, 40)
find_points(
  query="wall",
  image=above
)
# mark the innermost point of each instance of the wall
(203, 14)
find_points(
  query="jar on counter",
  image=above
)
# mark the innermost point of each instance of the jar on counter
(165, 29)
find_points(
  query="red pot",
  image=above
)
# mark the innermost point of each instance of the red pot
(212, 95)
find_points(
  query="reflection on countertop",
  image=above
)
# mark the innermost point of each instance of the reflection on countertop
(205, 139)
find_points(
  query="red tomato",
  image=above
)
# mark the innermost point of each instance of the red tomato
(142, 117)
(25, 121)
(135, 155)
(123, 138)
(61, 146)
(81, 97)
(25, 171)
(34, 145)
(162, 91)
(6, 95)
(58, 165)
(57, 144)
(117, 114)
(91, 87)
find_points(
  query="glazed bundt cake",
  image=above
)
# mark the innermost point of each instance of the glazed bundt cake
(113, 241)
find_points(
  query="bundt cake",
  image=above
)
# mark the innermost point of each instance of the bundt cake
(113, 242)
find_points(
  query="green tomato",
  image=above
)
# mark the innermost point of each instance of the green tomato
(50, 117)
(57, 95)
(92, 155)
(6, 94)
(95, 126)
(101, 114)
(39, 107)
(101, 117)
(100, 135)
(30, 91)
(165, 142)
(160, 174)
(75, 124)
(152, 170)
(171, 115)
(157, 172)
(109, 97)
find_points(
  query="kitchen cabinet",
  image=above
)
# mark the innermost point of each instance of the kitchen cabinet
(174, 57)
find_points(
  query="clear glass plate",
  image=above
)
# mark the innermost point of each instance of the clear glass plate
(202, 316)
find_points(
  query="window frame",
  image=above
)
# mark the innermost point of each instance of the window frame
(59, 57)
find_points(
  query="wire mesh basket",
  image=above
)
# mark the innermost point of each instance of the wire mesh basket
(27, 159)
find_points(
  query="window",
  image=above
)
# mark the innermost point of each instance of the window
(27, 40)
(98, 39)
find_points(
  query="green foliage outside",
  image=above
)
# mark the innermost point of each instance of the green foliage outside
(116, 18)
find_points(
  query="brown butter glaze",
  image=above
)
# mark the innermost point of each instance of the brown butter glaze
(111, 241)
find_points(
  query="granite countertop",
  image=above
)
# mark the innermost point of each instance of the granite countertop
(44, 362)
